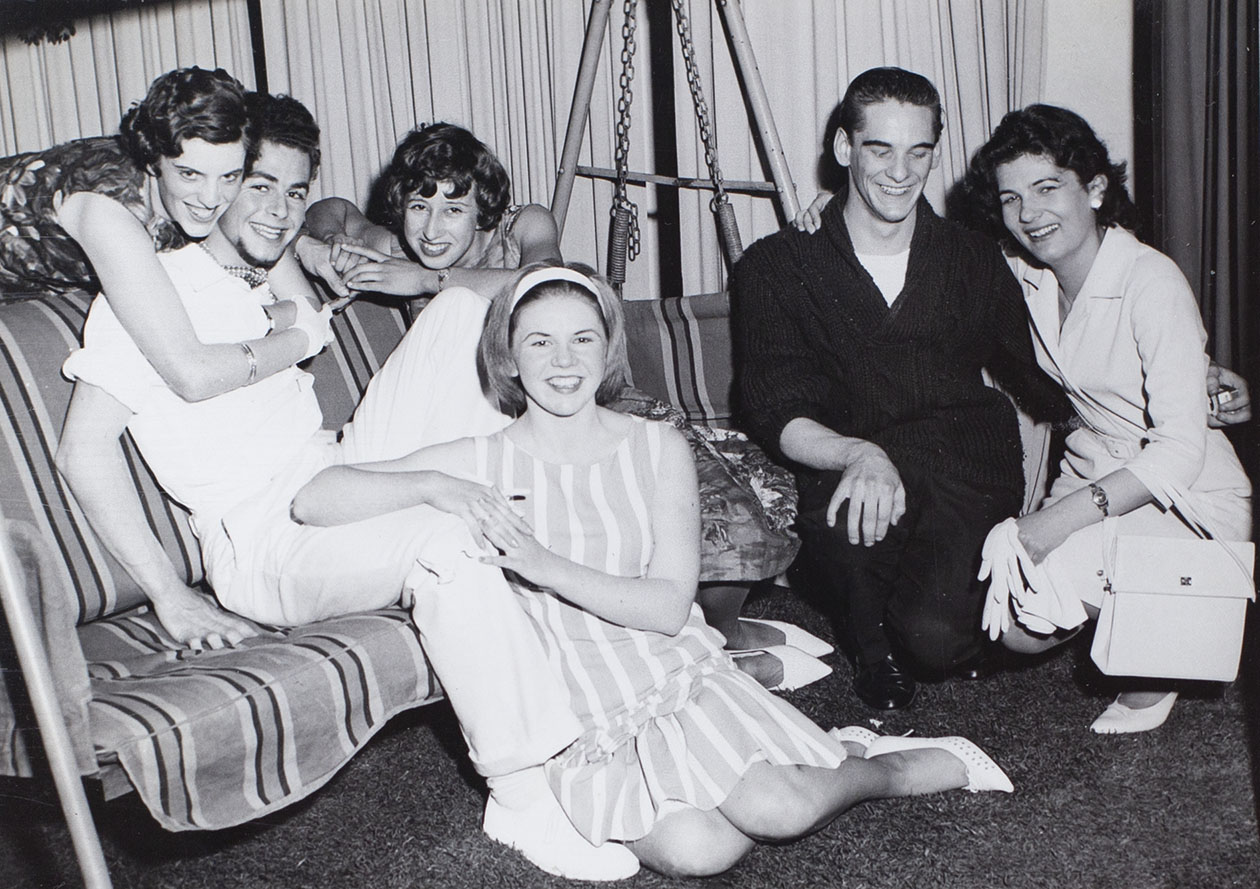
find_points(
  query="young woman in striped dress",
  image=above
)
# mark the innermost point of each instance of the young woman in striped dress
(684, 759)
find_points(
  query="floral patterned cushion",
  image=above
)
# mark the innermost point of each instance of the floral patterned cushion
(747, 503)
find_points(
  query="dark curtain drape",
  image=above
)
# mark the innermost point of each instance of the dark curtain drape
(1197, 138)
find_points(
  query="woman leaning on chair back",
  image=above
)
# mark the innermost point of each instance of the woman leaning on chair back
(1116, 324)
(102, 207)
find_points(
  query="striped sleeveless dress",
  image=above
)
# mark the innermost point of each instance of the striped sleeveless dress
(669, 721)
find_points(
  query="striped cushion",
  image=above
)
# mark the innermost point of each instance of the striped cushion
(216, 738)
(680, 351)
(35, 337)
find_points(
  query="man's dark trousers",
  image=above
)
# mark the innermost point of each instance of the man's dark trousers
(920, 579)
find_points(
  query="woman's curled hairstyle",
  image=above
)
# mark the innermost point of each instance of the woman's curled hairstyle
(187, 103)
(1068, 141)
(495, 366)
(443, 152)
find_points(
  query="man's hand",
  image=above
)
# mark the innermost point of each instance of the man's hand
(193, 619)
(382, 273)
(875, 493)
(316, 258)
(1231, 398)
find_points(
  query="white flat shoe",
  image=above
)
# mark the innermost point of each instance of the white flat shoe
(795, 637)
(543, 834)
(1118, 719)
(854, 734)
(799, 669)
(982, 772)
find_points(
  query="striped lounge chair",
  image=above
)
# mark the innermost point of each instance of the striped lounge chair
(208, 739)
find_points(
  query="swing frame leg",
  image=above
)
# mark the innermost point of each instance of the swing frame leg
(33, 658)
(579, 111)
(746, 63)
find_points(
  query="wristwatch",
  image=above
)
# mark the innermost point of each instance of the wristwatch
(1099, 496)
(442, 275)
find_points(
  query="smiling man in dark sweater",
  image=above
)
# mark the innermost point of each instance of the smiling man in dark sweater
(860, 350)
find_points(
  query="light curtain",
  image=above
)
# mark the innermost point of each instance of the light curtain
(371, 69)
(985, 57)
(52, 92)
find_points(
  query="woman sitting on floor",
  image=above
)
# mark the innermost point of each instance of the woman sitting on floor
(446, 197)
(684, 759)
(1114, 322)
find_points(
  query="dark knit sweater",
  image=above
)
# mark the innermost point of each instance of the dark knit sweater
(815, 338)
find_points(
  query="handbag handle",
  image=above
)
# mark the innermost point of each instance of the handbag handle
(1170, 495)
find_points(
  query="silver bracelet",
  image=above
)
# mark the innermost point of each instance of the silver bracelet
(253, 362)
(442, 275)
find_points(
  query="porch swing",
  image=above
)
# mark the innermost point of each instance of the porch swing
(681, 343)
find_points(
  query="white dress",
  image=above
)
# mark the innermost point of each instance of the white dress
(1130, 357)
(667, 721)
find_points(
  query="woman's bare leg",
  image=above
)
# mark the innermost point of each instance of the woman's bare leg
(691, 843)
(777, 803)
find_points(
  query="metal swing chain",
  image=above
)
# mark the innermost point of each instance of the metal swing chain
(628, 229)
(720, 205)
(698, 100)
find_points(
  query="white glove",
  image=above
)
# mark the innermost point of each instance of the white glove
(999, 564)
(317, 325)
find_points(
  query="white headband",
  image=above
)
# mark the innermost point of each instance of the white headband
(552, 273)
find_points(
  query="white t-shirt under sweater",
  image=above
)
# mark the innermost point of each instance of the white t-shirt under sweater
(888, 272)
(213, 454)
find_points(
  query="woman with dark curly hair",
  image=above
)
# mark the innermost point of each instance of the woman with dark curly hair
(91, 215)
(1116, 324)
(448, 222)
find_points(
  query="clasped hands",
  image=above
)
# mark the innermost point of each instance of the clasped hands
(349, 266)
(491, 518)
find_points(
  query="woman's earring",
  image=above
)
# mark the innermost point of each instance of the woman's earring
(1096, 203)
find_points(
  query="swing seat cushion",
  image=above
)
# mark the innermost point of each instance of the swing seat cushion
(747, 503)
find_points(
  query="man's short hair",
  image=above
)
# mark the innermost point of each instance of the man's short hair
(443, 152)
(285, 121)
(877, 85)
(187, 103)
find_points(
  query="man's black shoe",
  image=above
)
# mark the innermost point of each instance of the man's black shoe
(883, 686)
(982, 666)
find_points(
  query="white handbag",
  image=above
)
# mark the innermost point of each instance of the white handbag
(1173, 608)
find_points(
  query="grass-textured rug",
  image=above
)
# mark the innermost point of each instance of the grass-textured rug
(1170, 809)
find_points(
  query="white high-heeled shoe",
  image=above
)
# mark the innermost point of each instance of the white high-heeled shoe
(982, 772)
(799, 669)
(795, 636)
(1118, 719)
(854, 734)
